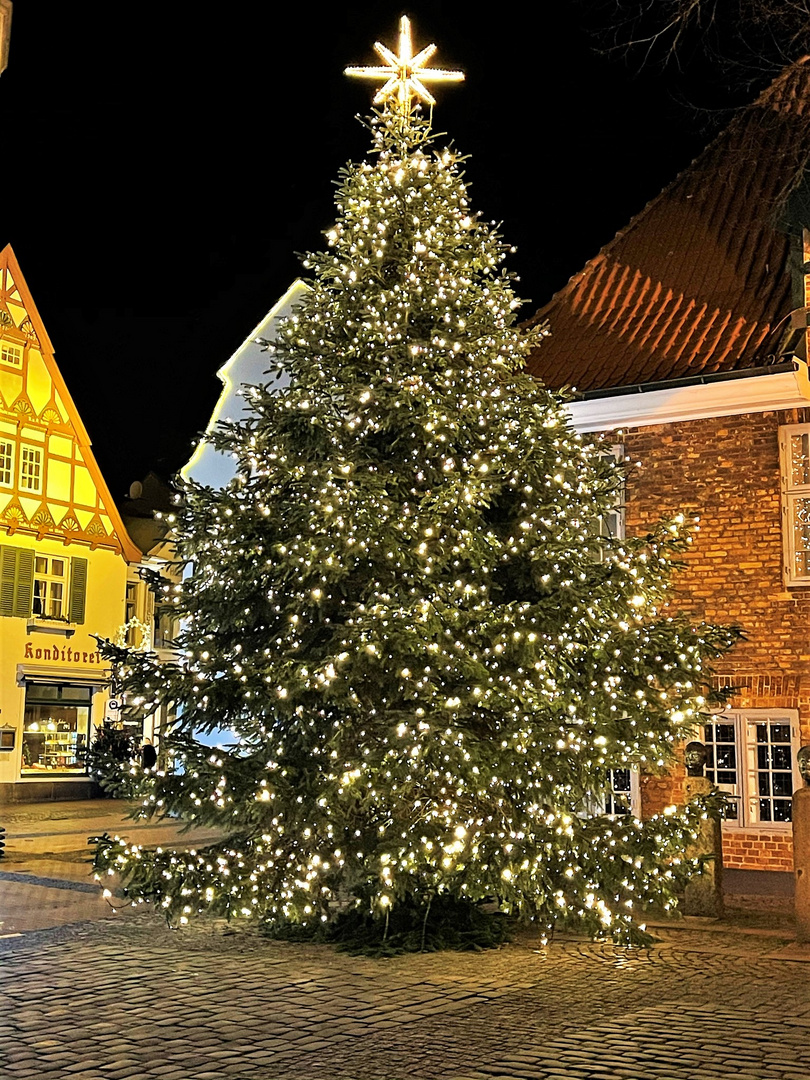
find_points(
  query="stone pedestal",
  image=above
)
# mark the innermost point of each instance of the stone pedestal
(704, 894)
(801, 862)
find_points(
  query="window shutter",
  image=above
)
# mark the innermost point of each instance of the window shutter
(24, 596)
(16, 582)
(78, 589)
(8, 574)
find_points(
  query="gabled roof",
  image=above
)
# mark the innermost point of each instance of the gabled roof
(248, 366)
(699, 282)
(72, 502)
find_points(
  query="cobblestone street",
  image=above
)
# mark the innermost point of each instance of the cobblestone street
(127, 999)
(88, 997)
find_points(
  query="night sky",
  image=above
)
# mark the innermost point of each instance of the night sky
(161, 169)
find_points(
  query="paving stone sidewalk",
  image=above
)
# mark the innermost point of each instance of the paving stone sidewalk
(128, 999)
(45, 877)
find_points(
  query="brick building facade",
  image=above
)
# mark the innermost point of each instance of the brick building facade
(686, 340)
(725, 472)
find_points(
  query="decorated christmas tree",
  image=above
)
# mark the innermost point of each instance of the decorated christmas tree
(406, 606)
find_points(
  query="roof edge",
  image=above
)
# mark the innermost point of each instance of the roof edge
(762, 99)
(129, 550)
(767, 391)
(691, 380)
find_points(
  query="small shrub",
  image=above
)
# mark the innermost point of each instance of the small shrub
(111, 760)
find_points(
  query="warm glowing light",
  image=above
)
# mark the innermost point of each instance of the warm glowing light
(406, 74)
(404, 605)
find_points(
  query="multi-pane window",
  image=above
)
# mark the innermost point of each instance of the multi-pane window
(611, 524)
(720, 738)
(6, 463)
(49, 586)
(11, 354)
(620, 796)
(751, 756)
(33, 583)
(774, 771)
(794, 445)
(619, 799)
(30, 469)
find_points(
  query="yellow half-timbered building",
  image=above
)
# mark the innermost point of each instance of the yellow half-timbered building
(65, 561)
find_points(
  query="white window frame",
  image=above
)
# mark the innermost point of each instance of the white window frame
(51, 589)
(612, 525)
(745, 792)
(631, 795)
(11, 353)
(795, 505)
(31, 455)
(7, 472)
(618, 790)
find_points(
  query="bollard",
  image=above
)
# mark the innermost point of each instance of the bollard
(704, 894)
(2, 841)
(801, 849)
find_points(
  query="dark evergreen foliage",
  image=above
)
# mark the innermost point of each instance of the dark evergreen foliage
(407, 611)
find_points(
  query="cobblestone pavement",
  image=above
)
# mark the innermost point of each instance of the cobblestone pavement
(128, 999)
(45, 878)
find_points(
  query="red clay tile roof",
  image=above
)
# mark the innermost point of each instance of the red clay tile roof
(699, 281)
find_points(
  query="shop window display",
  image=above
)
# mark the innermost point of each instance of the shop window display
(55, 729)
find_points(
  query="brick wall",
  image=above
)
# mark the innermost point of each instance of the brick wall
(725, 471)
(753, 849)
(660, 791)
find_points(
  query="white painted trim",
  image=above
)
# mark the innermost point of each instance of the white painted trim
(759, 393)
(263, 330)
(743, 720)
(790, 492)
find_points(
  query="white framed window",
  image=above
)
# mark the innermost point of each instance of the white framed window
(622, 795)
(6, 463)
(61, 591)
(794, 459)
(50, 587)
(11, 354)
(751, 756)
(611, 524)
(31, 469)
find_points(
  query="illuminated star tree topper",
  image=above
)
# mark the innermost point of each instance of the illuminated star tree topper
(406, 74)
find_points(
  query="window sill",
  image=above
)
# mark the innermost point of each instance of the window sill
(36, 625)
(777, 827)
